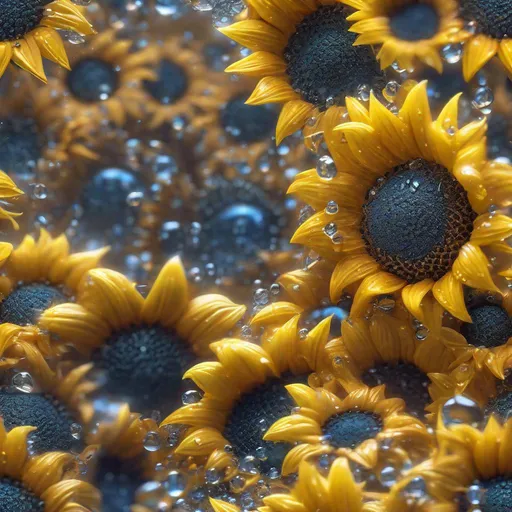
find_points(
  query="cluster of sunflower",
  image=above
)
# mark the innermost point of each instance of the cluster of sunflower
(370, 370)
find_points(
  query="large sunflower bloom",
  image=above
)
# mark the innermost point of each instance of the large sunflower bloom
(244, 394)
(351, 427)
(389, 351)
(143, 345)
(409, 209)
(40, 483)
(490, 34)
(103, 83)
(406, 29)
(29, 33)
(37, 275)
(304, 53)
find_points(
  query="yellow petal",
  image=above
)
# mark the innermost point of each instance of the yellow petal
(5, 56)
(51, 46)
(208, 318)
(489, 229)
(478, 51)
(505, 54)
(256, 35)
(168, 297)
(222, 506)
(66, 16)
(472, 268)
(372, 286)
(26, 55)
(349, 271)
(302, 452)
(259, 64)
(277, 313)
(111, 296)
(413, 295)
(449, 292)
(294, 428)
(293, 117)
(201, 442)
(272, 89)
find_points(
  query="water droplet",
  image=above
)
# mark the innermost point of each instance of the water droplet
(176, 484)
(192, 396)
(152, 442)
(326, 167)
(331, 208)
(452, 53)
(23, 382)
(462, 409)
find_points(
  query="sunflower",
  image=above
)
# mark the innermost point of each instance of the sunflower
(233, 132)
(305, 55)
(389, 350)
(52, 402)
(182, 85)
(34, 148)
(37, 275)
(487, 340)
(337, 492)
(244, 394)
(489, 33)
(40, 483)
(351, 427)
(245, 227)
(29, 32)
(473, 469)
(142, 345)
(102, 84)
(435, 172)
(407, 30)
(118, 464)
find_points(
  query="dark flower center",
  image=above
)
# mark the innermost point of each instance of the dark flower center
(416, 219)
(171, 84)
(24, 305)
(21, 146)
(497, 496)
(246, 123)
(254, 414)
(491, 327)
(105, 198)
(238, 221)
(349, 429)
(144, 366)
(118, 482)
(92, 80)
(402, 380)
(414, 22)
(501, 405)
(15, 497)
(50, 417)
(322, 63)
(493, 17)
(20, 17)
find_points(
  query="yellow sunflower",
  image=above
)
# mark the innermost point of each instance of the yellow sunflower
(40, 483)
(52, 402)
(489, 33)
(351, 427)
(118, 464)
(37, 275)
(410, 208)
(390, 351)
(487, 341)
(304, 52)
(244, 394)
(102, 83)
(182, 86)
(29, 32)
(337, 492)
(142, 345)
(407, 29)
(472, 470)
